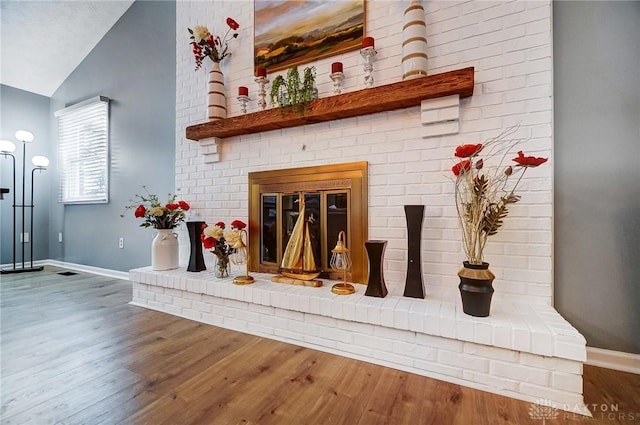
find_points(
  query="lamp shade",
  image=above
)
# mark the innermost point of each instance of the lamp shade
(40, 161)
(7, 146)
(24, 136)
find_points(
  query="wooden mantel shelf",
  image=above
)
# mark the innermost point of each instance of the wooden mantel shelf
(367, 101)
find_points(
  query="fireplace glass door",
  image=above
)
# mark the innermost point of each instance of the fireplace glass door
(326, 213)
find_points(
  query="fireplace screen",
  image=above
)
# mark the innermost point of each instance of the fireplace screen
(335, 200)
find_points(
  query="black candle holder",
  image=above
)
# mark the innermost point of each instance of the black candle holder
(414, 286)
(196, 259)
(376, 286)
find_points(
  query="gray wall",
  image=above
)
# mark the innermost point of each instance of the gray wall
(22, 110)
(133, 65)
(597, 170)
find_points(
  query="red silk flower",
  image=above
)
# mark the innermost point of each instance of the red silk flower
(232, 24)
(461, 167)
(172, 207)
(207, 242)
(529, 161)
(237, 224)
(184, 205)
(466, 151)
(140, 211)
(220, 224)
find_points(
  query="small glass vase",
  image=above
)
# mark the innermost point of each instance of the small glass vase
(221, 269)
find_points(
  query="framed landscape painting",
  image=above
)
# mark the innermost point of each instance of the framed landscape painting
(289, 33)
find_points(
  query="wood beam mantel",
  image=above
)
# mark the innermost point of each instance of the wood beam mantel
(399, 95)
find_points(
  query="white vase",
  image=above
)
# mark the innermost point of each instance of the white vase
(217, 102)
(414, 42)
(164, 250)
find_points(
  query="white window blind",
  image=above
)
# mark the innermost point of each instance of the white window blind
(83, 151)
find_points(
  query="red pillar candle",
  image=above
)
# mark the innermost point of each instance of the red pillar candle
(261, 72)
(243, 91)
(367, 42)
(336, 67)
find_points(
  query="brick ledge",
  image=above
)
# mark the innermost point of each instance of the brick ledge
(530, 328)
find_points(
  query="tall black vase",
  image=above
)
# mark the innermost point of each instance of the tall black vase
(196, 260)
(376, 286)
(414, 286)
(476, 288)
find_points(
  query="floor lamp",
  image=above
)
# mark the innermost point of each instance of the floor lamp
(40, 163)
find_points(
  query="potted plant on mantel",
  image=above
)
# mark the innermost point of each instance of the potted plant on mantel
(293, 92)
(483, 194)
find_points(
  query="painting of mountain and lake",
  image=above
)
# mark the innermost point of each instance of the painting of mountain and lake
(289, 33)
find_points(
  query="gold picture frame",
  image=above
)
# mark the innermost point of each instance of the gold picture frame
(291, 33)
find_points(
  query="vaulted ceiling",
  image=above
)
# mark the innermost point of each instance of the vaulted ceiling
(42, 42)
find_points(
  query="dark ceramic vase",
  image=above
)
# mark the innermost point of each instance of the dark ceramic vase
(196, 259)
(376, 286)
(476, 288)
(414, 286)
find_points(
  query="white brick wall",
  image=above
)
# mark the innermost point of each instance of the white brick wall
(476, 352)
(508, 43)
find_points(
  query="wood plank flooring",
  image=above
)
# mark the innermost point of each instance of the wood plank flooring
(73, 352)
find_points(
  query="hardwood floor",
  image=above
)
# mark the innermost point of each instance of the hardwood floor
(74, 352)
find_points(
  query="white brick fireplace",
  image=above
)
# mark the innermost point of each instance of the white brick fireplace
(508, 44)
(524, 349)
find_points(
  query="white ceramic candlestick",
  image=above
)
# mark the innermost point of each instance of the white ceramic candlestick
(243, 99)
(337, 78)
(368, 54)
(262, 94)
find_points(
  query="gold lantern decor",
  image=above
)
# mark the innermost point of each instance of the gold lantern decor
(241, 256)
(341, 262)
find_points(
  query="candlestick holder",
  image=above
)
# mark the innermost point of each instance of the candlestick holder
(337, 78)
(262, 94)
(243, 99)
(368, 54)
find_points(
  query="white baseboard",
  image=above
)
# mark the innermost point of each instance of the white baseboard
(116, 274)
(617, 360)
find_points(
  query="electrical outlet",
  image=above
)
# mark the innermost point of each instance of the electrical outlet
(24, 237)
(60, 237)
(121, 243)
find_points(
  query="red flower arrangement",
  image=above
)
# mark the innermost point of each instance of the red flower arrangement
(221, 242)
(156, 214)
(205, 44)
(482, 194)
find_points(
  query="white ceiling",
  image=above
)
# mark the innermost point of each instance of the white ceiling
(42, 42)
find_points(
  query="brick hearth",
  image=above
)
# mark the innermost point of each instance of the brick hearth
(523, 350)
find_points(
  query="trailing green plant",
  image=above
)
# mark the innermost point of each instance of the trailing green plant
(293, 92)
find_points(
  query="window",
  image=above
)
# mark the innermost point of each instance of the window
(83, 151)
